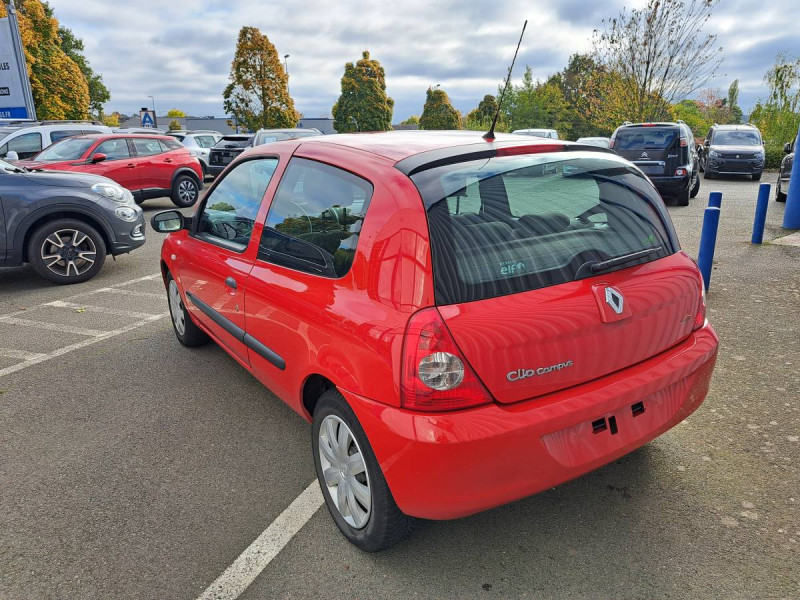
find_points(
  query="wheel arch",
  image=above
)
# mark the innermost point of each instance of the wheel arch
(35, 221)
(185, 171)
(314, 386)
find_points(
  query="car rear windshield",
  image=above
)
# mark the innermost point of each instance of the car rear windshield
(238, 142)
(66, 149)
(646, 138)
(512, 224)
(736, 138)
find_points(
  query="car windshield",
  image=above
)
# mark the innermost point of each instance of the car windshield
(66, 149)
(237, 142)
(736, 138)
(646, 138)
(517, 223)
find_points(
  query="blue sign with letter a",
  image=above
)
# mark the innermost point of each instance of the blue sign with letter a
(147, 120)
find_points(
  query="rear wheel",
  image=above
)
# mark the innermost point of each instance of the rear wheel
(186, 331)
(779, 195)
(683, 198)
(695, 187)
(185, 191)
(352, 483)
(66, 251)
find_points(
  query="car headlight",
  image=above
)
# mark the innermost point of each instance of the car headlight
(759, 155)
(194, 153)
(114, 192)
(127, 213)
(714, 154)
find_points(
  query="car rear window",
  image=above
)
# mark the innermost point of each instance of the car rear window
(646, 138)
(513, 224)
(237, 142)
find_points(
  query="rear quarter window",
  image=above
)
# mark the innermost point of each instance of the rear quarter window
(514, 224)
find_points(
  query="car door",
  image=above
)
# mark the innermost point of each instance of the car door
(217, 256)
(26, 145)
(148, 162)
(119, 164)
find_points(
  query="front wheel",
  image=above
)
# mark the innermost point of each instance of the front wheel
(185, 191)
(708, 175)
(355, 491)
(757, 177)
(186, 331)
(66, 251)
(780, 196)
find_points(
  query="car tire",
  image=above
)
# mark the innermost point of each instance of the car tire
(682, 199)
(779, 195)
(188, 334)
(757, 177)
(376, 527)
(695, 187)
(78, 262)
(700, 166)
(185, 191)
(708, 175)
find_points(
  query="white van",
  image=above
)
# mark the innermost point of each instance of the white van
(28, 138)
(545, 133)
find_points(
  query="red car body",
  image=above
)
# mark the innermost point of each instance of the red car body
(535, 421)
(149, 166)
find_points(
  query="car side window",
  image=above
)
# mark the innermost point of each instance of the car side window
(62, 133)
(146, 147)
(114, 149)
(25, 145)
(315, 219)
(205, 141)
(230, 210)
(172, 144)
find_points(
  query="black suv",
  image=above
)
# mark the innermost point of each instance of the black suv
(225, 150)
(785, 173)
(64, 224)
(733, 150)
(665, 152)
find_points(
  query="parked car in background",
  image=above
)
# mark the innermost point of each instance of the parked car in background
(665, 152)
(600, 142)
(785, 172)
(147, 130)
(462, 327)
(225, 150)
(733, 150)
(64, 224)
(24, 139)
(199, 143)
(266, 136)
(545, 133)
(149, 166)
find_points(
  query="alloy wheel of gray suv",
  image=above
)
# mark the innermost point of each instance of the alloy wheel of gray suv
(185, 191)
(66, 251)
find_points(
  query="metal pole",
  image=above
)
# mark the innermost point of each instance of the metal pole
(761, 213)
(19, 53)
(155, 117)
(791, 217)
(715, 199)
(286, 68)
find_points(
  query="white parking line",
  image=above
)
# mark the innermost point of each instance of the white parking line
(19, 354)
(52, 326)
(132, 293)
(237, 577)
(100, 309)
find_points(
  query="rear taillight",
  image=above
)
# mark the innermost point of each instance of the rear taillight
(436, 377)
(611, 142)
(700, 315)
(681, 172)
(684, 142)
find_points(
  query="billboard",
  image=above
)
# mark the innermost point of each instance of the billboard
(15, 101)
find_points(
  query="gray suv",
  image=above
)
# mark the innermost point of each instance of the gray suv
(733, 150)
(64, 224)
(785, 173)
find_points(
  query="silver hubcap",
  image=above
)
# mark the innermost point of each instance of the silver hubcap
(187, 191)
(345, 471)
(176, 308)
(68, 252)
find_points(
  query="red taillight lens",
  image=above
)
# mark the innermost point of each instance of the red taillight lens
(529, 149)
(436, 377)
(684, 142)
(611, 142)
(700, 316)
(681, 172)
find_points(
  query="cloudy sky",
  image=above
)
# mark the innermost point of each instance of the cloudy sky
(179, 51)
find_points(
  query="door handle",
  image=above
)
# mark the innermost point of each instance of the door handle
(130, 166)
(230, 282)
(168, 160)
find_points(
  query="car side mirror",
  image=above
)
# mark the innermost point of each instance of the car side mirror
(11, 155)
(99, 157)
(169, 221)
(787, 148)
(707, 143)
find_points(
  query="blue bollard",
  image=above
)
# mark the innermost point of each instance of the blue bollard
(715, 199)
(708, 241)
(791, 218)
(761, 213)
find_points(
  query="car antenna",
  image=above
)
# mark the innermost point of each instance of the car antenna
(489, 135)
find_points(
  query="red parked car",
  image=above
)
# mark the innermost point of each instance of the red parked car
(150, 166)
(464, 322)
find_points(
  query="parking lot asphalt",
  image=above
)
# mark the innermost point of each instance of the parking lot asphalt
(133, 467)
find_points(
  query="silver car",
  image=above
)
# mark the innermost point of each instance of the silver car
(199, 143)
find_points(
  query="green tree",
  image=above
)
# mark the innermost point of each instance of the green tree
(73, 48)
(363, 104)
(534, 104)
(59, 87)
(438, 113)
(174, 125)
(733, 102)
(690, 112)
(778, 116)
(578, 83)
(174, 113)
(412, 120)
(111, 120)
(257, 95)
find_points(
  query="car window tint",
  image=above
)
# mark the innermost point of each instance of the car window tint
(172, 144)
(646, 138)
(25, 145)
(204, 141)
(736, 138)
(230, 209)
(315, 218)
(114, 149)
(86, 131)
(147, 147)
(61, 134)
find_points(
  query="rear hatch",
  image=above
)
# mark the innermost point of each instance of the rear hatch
(228, 148)
(656, 150)
(518, 246)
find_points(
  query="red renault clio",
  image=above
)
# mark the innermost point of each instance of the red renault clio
(464, 322)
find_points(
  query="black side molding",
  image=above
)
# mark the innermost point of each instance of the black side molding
(238, 333)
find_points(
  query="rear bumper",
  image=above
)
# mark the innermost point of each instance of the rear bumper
(671, 185)
(215, 170)
(449, 465)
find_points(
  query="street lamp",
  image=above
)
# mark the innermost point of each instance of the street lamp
(286, 68)
(155, 118)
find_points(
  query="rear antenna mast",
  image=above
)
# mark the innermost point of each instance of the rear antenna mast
(489, 135)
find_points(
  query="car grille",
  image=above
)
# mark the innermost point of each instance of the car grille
(742, 156)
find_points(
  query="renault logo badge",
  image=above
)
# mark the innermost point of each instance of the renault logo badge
(615, 300)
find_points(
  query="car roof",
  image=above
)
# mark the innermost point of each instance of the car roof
(733, 126)
(119, 134)
(396, 146)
